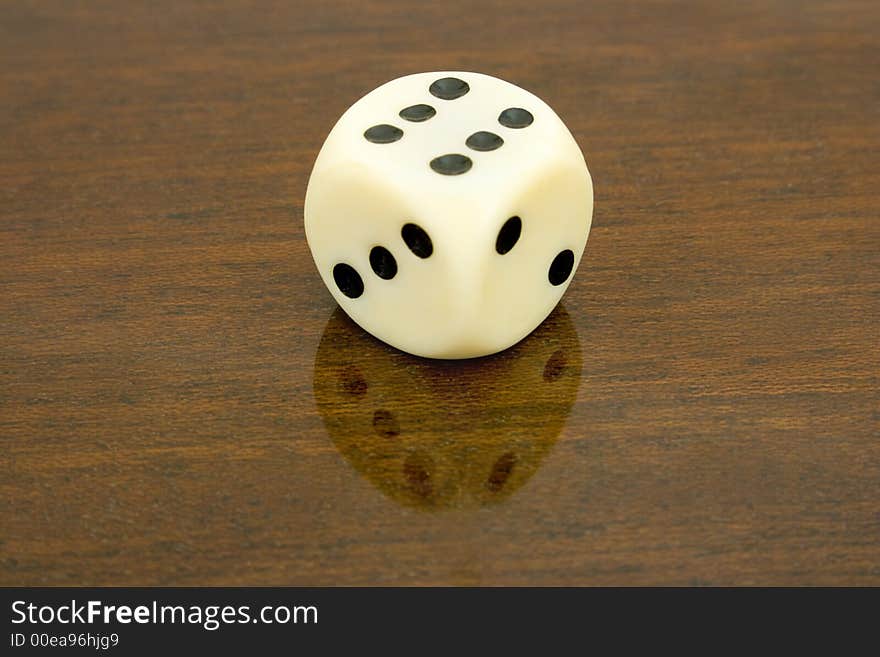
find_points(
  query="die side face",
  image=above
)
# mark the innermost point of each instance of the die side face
(407, 282)
(534, 257)
(466, 160)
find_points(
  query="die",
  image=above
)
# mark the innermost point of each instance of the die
(447, 213)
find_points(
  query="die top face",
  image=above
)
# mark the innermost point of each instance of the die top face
(450, 135)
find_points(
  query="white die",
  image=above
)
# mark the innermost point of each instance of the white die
(447, 213)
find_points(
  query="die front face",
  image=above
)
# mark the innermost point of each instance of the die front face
(447, 213)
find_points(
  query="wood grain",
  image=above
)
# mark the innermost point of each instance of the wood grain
(179, 404)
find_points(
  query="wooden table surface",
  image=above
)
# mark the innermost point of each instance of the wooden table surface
(181, 403)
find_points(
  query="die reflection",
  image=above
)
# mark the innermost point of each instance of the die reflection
(436, 435)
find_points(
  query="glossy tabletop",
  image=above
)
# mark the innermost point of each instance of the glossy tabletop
(182, 403)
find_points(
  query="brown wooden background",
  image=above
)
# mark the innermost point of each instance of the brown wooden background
(179, 404)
